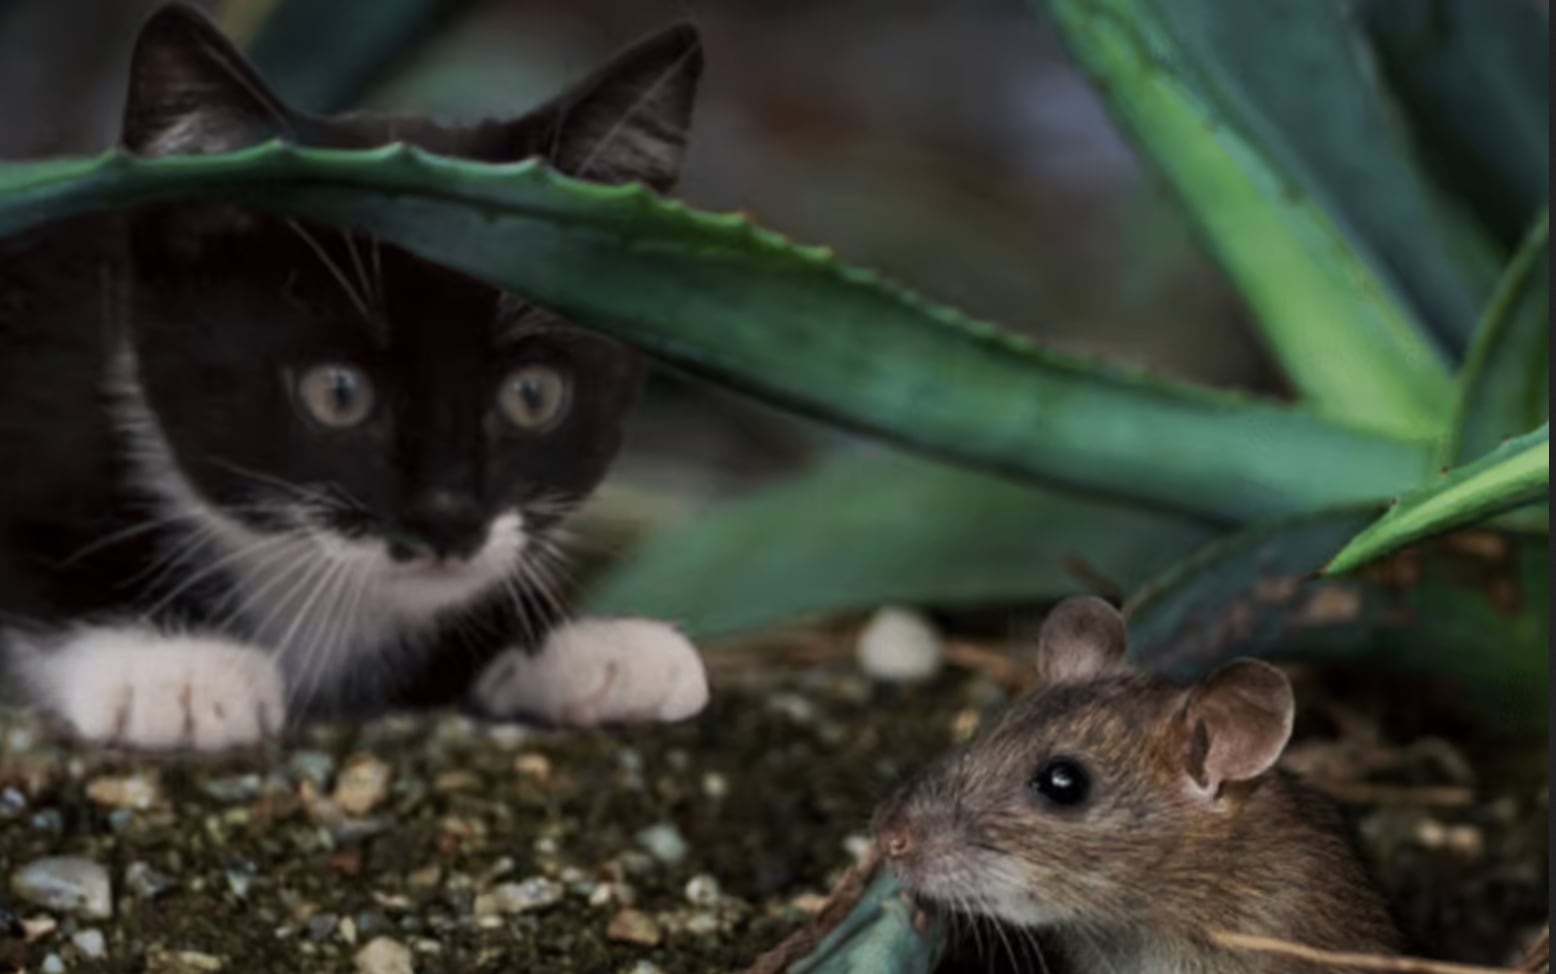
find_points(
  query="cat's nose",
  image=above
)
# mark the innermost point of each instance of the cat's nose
(442, 523)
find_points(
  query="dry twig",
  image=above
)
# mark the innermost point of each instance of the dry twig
(1538, 960)
(1346, 961)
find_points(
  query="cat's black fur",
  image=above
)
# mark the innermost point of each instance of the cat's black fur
(175, 337)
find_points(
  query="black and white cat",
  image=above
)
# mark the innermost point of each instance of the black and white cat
(252, 467)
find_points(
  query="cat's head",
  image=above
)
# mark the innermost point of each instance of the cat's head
(294, 377)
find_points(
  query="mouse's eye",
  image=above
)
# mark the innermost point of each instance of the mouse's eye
(1063, 782)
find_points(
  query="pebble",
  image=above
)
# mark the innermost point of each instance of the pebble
(384, 955)
(160, 961)
(38, 927)
(312, 766)
(702, 890)
(321, 927)
(232, 789)
(664, 842)
(136, 791)
(240, 880)
(899, 646)
(534, 893)
(533, 765)
(715, 786)
(91, 943)
(856, 845)
(145, 882)
(52, 965)
(426, 877)
(363, 784)
(634, 927)
(67, 883)
(645, 967)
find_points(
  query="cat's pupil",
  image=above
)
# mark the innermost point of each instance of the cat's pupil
(342, 390)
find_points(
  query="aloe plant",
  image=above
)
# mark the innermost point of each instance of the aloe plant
(1342, 199)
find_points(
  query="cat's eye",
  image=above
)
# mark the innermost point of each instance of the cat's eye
(336, 396)
(1062, 782)
(534, 398)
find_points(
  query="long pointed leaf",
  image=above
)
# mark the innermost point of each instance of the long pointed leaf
(1474, 78)
(790, 324)
(866, 531)
(1514, 474)
(1339, 328)
(1299, 77)
(1472, 607)
(1505, 388)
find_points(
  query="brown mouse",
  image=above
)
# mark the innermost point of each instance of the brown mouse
(1125, 817)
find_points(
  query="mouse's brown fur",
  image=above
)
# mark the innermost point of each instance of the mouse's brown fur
(1185, 828)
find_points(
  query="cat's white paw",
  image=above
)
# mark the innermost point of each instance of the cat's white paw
(136, 687)
(598, 671)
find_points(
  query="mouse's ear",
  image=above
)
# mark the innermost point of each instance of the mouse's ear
(191, 91)
(1238, 722)
(1082, 638)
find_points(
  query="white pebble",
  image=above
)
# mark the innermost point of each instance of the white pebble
(91, 943)
(702, 890)
(856, 845)
(900, 646)
(384, 955)
(67, 883)
(664, 842)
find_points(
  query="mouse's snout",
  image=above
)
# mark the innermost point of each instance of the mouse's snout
(895, 843)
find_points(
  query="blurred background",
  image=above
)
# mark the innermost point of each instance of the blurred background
(951, 146)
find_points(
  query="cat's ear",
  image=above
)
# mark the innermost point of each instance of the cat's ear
(627, 121)
(192, 92)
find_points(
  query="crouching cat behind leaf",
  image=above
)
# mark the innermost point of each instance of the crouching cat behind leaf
(252, 466)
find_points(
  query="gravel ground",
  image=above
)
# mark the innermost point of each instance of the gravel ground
(442, 845)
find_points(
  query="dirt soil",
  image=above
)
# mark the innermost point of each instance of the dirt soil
(470, 848)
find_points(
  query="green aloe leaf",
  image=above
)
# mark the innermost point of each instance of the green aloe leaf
(789, 324)
(1470, 606)
(1516, 473)
(877, 937)
(1474, 79)
(322, 57)
(866, 531)
(1505, 388)
(1300, 78)
(1341, 326)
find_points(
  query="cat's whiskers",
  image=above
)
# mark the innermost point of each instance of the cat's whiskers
(320, 577)
(320, 647)
(356, 262)
(153, 523)
(532, 631)
(166, 561)
(330, 265)
(329, 495)
(533, 574)
(375, 254)
(212, 569)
